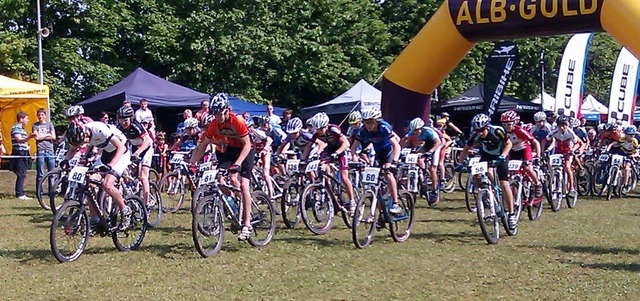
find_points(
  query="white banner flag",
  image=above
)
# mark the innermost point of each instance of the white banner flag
(571, 76)
(622, 100)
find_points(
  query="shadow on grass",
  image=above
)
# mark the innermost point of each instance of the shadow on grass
(452, 220)
(632, 267)
(25, 256)
(172, 229)
(462, 237)
(596, 250)
(323, 241)
(174, 251)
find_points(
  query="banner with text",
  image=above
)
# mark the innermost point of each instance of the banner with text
(497, 72)
(571, 76)
(622, 100)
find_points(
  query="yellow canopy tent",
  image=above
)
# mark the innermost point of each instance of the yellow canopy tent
(16, 96)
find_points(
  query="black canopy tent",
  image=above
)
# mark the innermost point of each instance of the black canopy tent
(471, 102)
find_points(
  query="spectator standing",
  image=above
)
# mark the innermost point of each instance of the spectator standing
(20, 148)
(186, 115)
(3, 150)
(273, 118)
(45, 134)
(104, 117)
(204, 108)
(126, 103)
(144, 113)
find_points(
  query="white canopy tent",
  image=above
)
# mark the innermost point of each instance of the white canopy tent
(592, 109)
(547, 101)
(362, 95)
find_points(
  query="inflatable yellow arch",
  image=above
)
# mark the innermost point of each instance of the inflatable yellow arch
(458, 24)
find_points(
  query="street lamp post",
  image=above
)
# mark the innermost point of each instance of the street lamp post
(40, 72)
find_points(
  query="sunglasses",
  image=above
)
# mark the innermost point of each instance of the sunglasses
(507, 123)
(480, 130)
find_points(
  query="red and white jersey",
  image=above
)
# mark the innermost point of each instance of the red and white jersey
(258, 138)
(520, 139)
(564, 140)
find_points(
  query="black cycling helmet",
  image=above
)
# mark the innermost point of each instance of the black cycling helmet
(75, 134)
(125, 112)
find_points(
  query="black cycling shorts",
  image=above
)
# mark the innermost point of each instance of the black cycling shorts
(230, 155)
(502, 168)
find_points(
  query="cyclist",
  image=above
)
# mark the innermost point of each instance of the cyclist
(189, 138)
(494, 145)
(237, 155)
(521, 149)
(141, 145)
(628, 146)
(114, 158)
(385, 142)
(444, 118)
(262, 145)
(446, 144)
(335, 146)
(297, 138)
(355, 127)
(593, 140)
(273, 131)
(428, 142)
(565, 140)
(541, 129)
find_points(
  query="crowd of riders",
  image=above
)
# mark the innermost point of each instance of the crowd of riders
(238, 142)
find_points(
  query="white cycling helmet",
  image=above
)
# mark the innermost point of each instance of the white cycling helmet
(319, 120)
(539, 116)
(416, 123)
(294, 125)
(480, 121)
(73, 111)
(373, 113)
(191, 123)
(354, 117)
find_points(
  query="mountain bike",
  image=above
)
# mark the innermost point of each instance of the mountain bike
(130, 184)
(490, 207)
(212, 206)
(372, 210)
(71, 226)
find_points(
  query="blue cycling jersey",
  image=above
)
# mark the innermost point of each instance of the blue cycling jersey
(379, 138)
(428, 135)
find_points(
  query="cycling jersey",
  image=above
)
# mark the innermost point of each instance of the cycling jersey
(277, 134)
(379, 138)
(135, 133)
(628, 147)
(231, 131)
(491, 144)
(100, 135)
(564, 140)
(608, 137)
(427, 138)
(300, 142)
(331, 137)
(541, 132)
(352, 132)
(188, 142)
(520, 139)
(581, 132)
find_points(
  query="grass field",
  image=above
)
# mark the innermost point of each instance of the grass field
(587, 253)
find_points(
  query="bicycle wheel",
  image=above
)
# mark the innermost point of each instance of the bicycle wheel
(487, 216)
(344, 198)
(613, 179)
(400, 224)
(154, 176)
(130, 238)
(207, 227)
(316, 209)
(599, 182)
(470, 192)
(534, 208)
(364, 219)
(583, 181)
(69, 232)
(172, 191)
(462, 180)
(555, 191)
(517, 193)
(52, 196)
(263, 219)
(154, 205)
(449, 178)
(289, 203)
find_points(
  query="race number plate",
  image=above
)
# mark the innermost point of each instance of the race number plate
(514, 165)
(370, 175)
(604, 157)
(208, 177)
(77, 174)
(474, 160)
(405, 152)
(312, 166)
(176, 159)
(479, 168)
(617, 160)
(556, 160)
(411, 159)
(292, 165)
(588, 152)
(204, 166)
